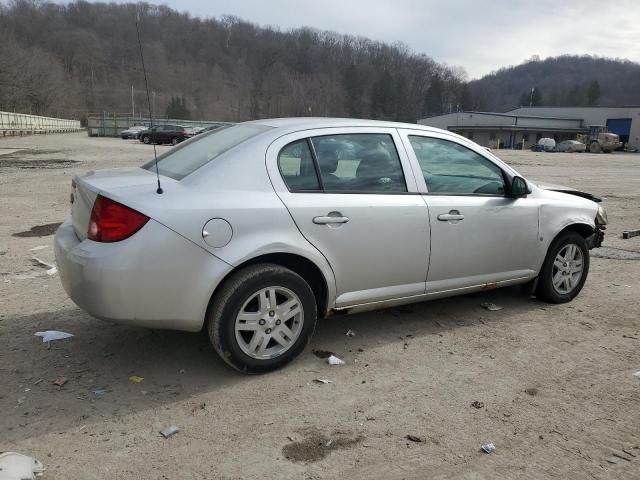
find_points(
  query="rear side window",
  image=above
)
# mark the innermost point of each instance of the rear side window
(347, 163)
(297, 169)
(186, 158)
(359, 163)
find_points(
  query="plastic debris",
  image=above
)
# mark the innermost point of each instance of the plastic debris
(333, 360)
(52, 335)
(99, 392)
(415, 438)
(492, 307)
(14, 466)
(169, 431)
(322, 381)
(51, 269)
(60, 381)
(477, 404)
(350, 333)
(637, 374)
(136, 379)
(488, 448)
(39, 247)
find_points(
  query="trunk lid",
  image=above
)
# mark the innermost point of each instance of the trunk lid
(113, 183)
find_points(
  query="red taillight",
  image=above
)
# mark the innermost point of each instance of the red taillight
(111, 221)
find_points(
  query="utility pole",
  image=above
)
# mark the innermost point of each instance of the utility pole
(133, 105)
(531, 100)
(153, 111)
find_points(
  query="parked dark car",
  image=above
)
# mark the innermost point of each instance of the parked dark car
(132, 132)
(172, 134)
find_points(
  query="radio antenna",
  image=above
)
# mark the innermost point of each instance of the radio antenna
(146, 85)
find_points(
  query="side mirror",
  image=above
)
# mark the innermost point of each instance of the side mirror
(519, 187)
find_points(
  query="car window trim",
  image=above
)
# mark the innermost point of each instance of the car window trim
(316, 166)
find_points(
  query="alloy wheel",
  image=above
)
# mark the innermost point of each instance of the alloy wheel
(269, 323)
(567, 268)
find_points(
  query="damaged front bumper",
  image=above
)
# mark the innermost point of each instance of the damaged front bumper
(595, 239)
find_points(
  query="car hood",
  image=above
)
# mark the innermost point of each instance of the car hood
(568, 190)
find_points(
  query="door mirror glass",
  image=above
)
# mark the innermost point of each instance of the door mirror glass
(519, 187)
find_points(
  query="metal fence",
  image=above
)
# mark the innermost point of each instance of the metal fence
(25, 124)
(112, 124)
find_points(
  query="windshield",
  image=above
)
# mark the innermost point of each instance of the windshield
(184, 159)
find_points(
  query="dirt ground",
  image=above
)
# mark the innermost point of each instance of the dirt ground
(553, 384)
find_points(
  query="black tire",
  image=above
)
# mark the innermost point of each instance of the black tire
(230, 298)
(595, 147)
(175, 141)
(146, 139)
(546, 290)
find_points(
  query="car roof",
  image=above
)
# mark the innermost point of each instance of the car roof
(304, 123)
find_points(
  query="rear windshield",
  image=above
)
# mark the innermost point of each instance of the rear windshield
(186, 158)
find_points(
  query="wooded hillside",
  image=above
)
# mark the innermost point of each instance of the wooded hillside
(567, 80)
(67, 60)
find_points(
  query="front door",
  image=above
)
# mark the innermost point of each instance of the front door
(479, 236)
(352, 195)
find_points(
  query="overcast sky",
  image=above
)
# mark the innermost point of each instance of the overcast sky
(478, 35)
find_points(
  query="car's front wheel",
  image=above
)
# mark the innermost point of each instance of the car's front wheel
(175, 141)
(146, 139)
(262, 317)
(565, 268)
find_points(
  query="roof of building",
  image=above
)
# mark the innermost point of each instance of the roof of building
(510, 115)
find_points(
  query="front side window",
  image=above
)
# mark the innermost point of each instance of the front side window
(359, 163)
(450, 168)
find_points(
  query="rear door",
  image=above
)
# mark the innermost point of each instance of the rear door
(479, 236)
(352, 194)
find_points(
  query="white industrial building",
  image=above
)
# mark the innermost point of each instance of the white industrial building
(524, 126)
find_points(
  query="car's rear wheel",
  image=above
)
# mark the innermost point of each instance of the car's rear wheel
(595, 147)
(565, 268)
(262, 317)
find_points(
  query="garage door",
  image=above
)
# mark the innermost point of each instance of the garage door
(621, 126)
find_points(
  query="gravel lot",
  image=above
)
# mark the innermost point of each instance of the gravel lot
(554, 384)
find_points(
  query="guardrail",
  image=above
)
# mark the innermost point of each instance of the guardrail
(24, 124)
(108, 124)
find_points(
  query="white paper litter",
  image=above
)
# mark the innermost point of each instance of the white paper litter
(322, 380)
(333, 360)
(350, 333)
(51, 269)
(637, 374)
(169, 431)
(52, 335)
(14, 466)
(27, 275)
(492, 307)
(39, 247)
(488, 448)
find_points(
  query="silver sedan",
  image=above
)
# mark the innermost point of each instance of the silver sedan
(263, 227)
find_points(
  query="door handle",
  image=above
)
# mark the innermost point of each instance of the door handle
(452, 215)
(330, 220)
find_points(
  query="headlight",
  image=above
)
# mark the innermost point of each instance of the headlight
(601, 217)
